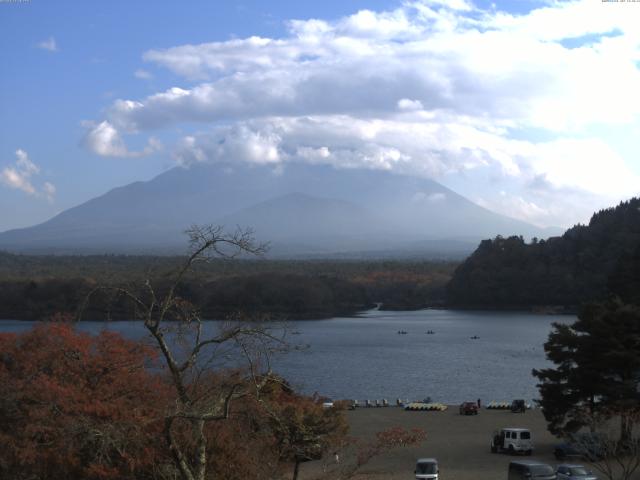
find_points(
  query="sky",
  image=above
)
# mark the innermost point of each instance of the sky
(528, 108)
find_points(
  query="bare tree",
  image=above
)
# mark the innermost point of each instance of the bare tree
(202, 364)
(614, 457)
(353, 456)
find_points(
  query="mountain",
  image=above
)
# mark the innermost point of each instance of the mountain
(587, 263)
(301, 209)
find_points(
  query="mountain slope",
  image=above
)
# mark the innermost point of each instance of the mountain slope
(340, 210)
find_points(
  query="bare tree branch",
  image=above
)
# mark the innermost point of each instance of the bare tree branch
(201, 397)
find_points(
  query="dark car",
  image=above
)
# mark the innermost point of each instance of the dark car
(590, 446)
(469, 408)
(518, 406)
(574, 472)
(566, 450)
(530, 470)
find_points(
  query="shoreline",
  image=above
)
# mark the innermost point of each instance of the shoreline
(280, 317)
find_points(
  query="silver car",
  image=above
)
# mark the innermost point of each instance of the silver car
(574, 472)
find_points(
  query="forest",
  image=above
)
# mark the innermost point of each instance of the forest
(35, 287)
(587, 263)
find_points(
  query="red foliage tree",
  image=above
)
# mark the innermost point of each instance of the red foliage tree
(304, 430)
(74, 405)
(77, 406)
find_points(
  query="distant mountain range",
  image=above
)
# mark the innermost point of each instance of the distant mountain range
(303, 210)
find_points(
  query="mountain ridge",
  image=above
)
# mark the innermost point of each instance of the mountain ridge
(300, 208)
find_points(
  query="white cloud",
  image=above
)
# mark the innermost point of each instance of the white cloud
(436, 197)
(18, 176)
(589, 164)
(410, 105)
(238, 142)
(430, 88)
(49, 190)
(429, 54)
(559, 208)
(432, 198)
(142, 74)
(25, 164)
(105, 140)
(14, 178)
(49, 44)
(428, 147)
(516, 206)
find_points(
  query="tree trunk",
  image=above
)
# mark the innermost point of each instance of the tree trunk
(178, 456)
(296, 470)
(626, 427)
(201, 452)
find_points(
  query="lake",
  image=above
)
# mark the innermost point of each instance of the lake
(364, 357)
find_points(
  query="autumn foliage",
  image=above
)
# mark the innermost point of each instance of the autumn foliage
(77, 406)
(74, 405)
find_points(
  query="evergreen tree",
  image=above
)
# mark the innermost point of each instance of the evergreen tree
(597, 369)
(587, 263)
(625, 279)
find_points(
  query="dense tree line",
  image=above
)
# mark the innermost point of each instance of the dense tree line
(35, 287)
(587, 263)
(273, 295)
(135, 267)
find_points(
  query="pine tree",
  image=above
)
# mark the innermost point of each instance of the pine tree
(597, 369)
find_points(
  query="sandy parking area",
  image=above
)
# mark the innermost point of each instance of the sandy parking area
(460, 443)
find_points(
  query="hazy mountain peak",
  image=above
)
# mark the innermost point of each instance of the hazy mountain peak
(315, 207)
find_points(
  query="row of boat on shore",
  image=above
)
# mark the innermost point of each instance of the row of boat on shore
(428, 405)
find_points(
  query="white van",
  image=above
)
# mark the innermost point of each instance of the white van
(426, 469)
(512, 440)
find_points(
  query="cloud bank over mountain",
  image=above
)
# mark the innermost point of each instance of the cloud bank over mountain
(431, 88)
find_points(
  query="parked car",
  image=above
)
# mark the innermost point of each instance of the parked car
(587, 445)
(530, 470)
(566, 450)
(469, 408)
(574, 472)
(591, 445)
(426, 469)
(512, 440)
(518, 406)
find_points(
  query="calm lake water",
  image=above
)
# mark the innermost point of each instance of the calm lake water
(364, 357)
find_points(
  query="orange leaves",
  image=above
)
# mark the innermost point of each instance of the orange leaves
(77, 406)
(399, 437)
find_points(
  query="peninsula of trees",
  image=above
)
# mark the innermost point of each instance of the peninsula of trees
(587, 263)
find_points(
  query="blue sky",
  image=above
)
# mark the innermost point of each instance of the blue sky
(528, 108)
